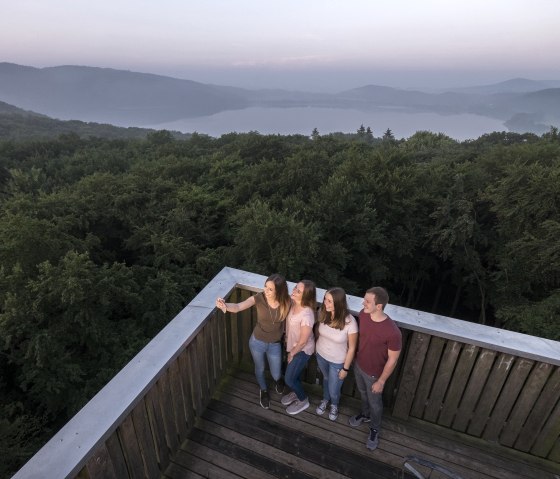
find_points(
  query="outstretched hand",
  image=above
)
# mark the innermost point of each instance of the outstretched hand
(221, 304)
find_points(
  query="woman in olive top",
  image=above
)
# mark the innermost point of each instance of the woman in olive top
(335, 347)
(272, 306)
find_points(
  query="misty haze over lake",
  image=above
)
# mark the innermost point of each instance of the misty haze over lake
(303, 120)
(134, 99)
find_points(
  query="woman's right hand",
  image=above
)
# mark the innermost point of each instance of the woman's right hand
(221, 304)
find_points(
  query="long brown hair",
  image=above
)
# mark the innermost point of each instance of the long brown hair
(338, 319)
(309, 294)
(281, 293)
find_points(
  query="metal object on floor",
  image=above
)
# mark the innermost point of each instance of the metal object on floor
(411, 462)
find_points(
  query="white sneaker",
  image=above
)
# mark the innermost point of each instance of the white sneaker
(297, 406)
(288, 398)
(333, 413)
(322, 407)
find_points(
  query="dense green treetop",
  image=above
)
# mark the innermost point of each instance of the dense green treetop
(103, 241)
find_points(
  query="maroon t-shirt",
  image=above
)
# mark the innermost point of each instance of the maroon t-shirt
(374, 339)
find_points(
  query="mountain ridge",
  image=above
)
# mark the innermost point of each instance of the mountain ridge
(19, 124)
(125, 98)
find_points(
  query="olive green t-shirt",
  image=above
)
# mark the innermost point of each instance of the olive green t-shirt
(269, 327)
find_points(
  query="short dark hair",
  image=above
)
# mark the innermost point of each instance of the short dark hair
(381, 295)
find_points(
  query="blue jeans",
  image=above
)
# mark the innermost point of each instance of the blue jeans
(332, 384)
(293, 373)
(273, 352)
(372, 403)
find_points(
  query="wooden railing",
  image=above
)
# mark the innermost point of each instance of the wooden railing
(497, 385)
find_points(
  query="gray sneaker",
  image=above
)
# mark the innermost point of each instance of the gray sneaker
(322, 407)
(288, 398)
(297, 406)
(372, 440)
(357, 420)
(333, 413)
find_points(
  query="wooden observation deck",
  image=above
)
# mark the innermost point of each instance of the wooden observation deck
(482, 402)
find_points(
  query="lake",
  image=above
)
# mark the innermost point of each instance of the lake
(303, 120)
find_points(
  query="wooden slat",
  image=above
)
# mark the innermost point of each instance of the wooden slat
(555, 452)
(186, 387)
(167, 412)
(504, 405)
(191, 465)
(213, 353)
(202, 365)
(442, 380)
(195, 379)
(427, 376)
(216, 349)
(225, 339)
(100, 466)
(549, 435)
(458, 384)
(312, 373)
(348, 384)
(539, 413)
(178, 398)
(234, 321)
(474, 389)
(245, 325)
(414, 361)
(157, 426)
(242, 448)
(207, 346)
(82, 474)
(525, 403)
(145, 439)
(490, 393)
(116, 454)
(177, 471)
(131, 449)
(218, 458)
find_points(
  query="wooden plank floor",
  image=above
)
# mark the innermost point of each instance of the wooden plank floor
(237, 438)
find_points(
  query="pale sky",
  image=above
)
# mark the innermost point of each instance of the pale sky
(292, 43)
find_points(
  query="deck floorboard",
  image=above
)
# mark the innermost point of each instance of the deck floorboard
(236, 438)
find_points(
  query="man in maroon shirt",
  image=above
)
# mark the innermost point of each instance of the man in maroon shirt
(379, 346)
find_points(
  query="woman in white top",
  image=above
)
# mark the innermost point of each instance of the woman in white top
(300, 343)
(336, 346)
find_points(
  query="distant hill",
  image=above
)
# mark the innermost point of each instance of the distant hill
(515, 85)
(18, 124)
(113, 96)
(128, 98)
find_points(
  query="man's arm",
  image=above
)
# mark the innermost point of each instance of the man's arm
(377, 386)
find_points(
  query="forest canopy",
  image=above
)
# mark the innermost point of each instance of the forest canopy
(103, 241)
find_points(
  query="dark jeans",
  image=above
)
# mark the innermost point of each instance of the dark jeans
(372, 403)
(293, 373)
